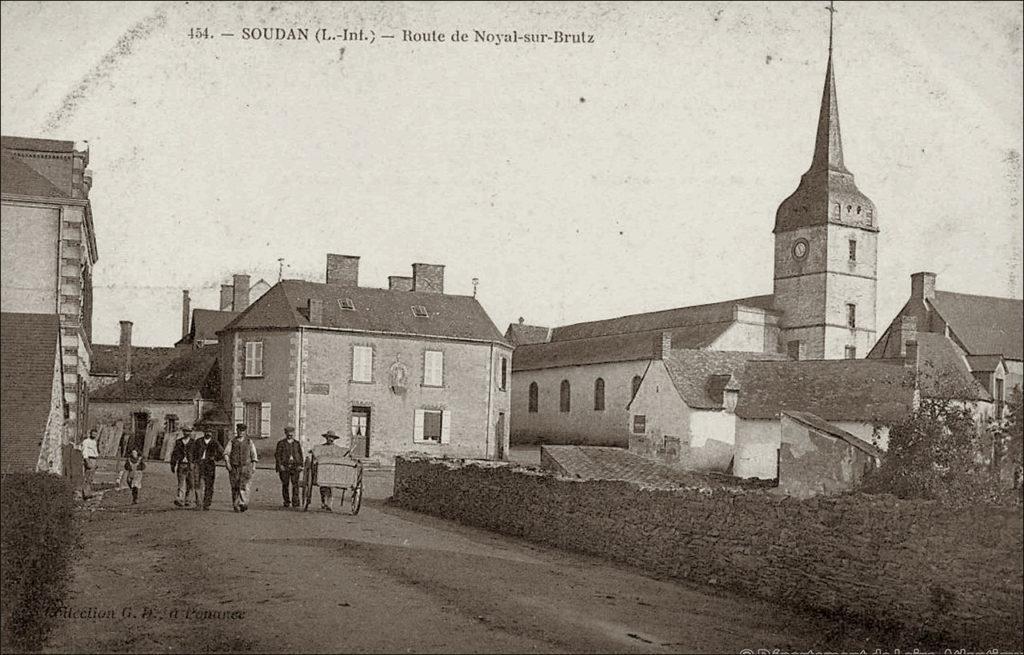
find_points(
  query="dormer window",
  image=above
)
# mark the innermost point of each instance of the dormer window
(419, 311)
(347, 304)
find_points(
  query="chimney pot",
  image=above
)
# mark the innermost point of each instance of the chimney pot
(912, 358)
(342, 270)
(315, 309)
(428, 278)
(226, 297)
(186, 310)
(240, 292)
(664, 345)
(922, 286)
(399, 283)
(126, 350)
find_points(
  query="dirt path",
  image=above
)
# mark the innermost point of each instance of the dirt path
(155, 578)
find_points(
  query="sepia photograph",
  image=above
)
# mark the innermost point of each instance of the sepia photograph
(512, 327)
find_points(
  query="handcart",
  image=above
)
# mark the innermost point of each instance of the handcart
(344, 474)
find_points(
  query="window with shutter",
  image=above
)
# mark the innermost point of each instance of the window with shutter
(253, 359)
(433, 368)
(238, 415)
(264, 432)
(253, 418)
(432, 426)
(362, 364)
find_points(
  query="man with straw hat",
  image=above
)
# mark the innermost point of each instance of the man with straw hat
(325, 452)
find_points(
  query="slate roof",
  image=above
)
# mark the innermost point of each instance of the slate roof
(39, 145)
(518, 334)
(108, 361)
(857, 389)
(701, 376)
(986, 325)
(816, 422)
(19, 178)
(693, 316)
(193, 373)
(376, 310)
(836, 390)
(28, 352)
(984, 363)
(206, 323)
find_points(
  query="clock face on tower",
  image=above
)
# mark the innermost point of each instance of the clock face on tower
(800, 249)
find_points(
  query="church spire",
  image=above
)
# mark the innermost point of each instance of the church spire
(828, 143)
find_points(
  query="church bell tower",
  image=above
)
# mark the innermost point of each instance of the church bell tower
(826, 245)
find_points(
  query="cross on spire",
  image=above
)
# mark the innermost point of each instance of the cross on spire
(831, 9)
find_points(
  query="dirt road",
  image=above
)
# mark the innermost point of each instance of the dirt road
(156, 578)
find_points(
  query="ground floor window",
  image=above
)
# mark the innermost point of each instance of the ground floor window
(432, 426)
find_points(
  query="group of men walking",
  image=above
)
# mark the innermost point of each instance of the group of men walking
(195, 455)
(194, 460)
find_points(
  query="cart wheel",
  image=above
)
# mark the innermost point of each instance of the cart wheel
(357, 499)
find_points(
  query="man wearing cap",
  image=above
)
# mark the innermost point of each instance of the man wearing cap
(328, 451)
(206, 452)
(241, 458)
(181, 463)
(288, 462)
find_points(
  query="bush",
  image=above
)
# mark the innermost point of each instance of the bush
(38, 535)
(934, 453)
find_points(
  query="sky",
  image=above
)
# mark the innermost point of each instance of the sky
(576, 181)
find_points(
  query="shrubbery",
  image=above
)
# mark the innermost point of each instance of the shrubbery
(38, 536)
(937, 453)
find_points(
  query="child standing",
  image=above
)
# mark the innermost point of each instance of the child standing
(135, 465)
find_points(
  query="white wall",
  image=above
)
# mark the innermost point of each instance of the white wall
(28, 258)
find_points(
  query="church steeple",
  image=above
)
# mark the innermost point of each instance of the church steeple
(826, 247)
(828, 143)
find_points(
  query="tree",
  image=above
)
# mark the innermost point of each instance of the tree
(933, 454)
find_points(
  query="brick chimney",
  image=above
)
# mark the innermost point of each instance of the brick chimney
(908, 333)
(912, 358)
(186, 310)
(428, 278)
(663, 345)
(922, 286)
(342, 270)
(226, 298)
(126, 350)
(239, 292)
(315, 311)
(399, 283)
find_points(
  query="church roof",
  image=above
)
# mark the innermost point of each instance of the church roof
(828, 142)
(519, 334)
(986, 325)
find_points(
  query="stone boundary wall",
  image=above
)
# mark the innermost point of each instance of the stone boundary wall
(908, 568)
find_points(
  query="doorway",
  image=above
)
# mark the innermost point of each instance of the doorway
(140, 423)
(361, 431)
(499, 436)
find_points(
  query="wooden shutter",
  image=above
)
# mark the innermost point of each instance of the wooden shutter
(264, 420)
(258, 357)
(418, 427)
(239, 414)
(446, 426)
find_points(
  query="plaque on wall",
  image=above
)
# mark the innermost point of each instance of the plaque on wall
(317, 388)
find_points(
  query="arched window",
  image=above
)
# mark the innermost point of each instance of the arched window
(636, 385)
(532, 400)
(563, 399)
(599, 395)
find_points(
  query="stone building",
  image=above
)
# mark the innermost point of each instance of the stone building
(151, 393)
(49, 250)
(32, 381)
(986, 332)
(822, 306)
(408, 368)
